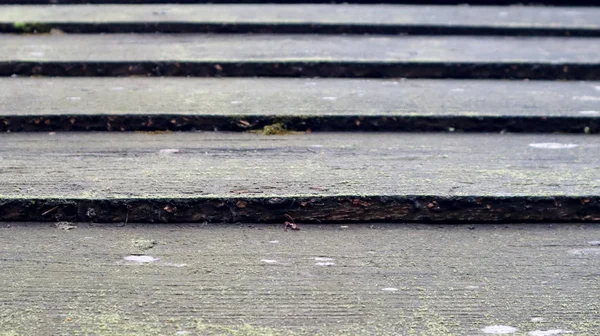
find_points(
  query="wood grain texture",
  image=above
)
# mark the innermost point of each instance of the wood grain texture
(300, 55)
(214, 280)
(238, 177)
(236, 104)
(281, 18)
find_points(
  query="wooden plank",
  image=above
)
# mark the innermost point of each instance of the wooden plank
(181, 177)
(354, 19)
(238, 104)
(300, 55)
(260, 280)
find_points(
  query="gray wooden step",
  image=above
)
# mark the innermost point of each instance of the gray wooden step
(332, 19)
(238, 104)
(155, 280)
(300, 55)
(238, 177)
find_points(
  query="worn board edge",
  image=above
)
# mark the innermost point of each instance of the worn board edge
(274, 125)
(287, 28)
(307, 209)
(327, 69)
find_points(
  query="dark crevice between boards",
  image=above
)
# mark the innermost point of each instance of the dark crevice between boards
(291, 28)
(306, 209)
(414, 2)
(260, 124)
(457, 70)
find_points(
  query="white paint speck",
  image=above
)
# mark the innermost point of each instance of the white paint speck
(174, 265)
(310, 83)
(74, 98)
(182, 332)
(499, 330)
(36, 54)
(140, 259)
(343, 227)
(235, 102)
(324, 259)
(169, 151)
(552, 145)
(594, 242)
(327, 263)
(587, 98)
(472, 287)
(329, 98)
(586, 251)
(589, 112)
(316, 146)
(117, 88)
(274, 242)
(389, 289)
(548, 332)
(269, 261)
(538, 319)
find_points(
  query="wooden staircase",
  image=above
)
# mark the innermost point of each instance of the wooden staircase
(118, 114)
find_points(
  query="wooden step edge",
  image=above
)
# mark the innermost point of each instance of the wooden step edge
(325, 69)
(288, 28)
(280, 125)
(307, 209)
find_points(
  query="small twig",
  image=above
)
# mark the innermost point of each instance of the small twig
(291, 224)
(49, 211)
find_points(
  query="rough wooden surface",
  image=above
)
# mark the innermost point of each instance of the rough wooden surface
(300, 55)
(387, 19)
(362, 280)
(133, 104)
(231, 177)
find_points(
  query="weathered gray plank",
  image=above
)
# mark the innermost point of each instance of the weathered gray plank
(316, 177)
(132, 104)
(386, 19)
(320, 280)
(300, 55)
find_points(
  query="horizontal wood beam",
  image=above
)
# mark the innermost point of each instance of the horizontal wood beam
(331, 19)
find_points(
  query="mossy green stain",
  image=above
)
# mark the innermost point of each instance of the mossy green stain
(27, 28)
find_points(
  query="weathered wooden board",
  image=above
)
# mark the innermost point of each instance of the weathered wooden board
(300, 55)
(322, 280)
(238, 104)
(180, 177)
(355, 19)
